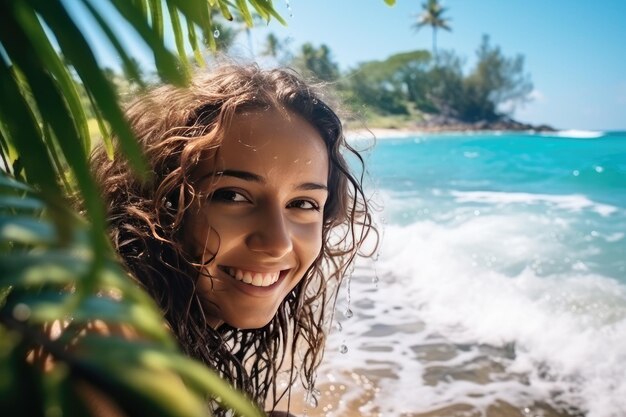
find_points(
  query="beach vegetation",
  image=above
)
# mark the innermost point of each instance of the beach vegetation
(316, 62)
(277, 49)
(419, 86)
(496, 84)
(387, 87)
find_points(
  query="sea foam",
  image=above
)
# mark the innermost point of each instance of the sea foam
(574, 202)
(521, 334)
(575, 134)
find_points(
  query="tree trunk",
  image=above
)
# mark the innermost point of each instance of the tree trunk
(435, 43)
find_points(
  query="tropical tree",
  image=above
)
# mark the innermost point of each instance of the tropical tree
(317, 62)
(497, 83)
(387, 86)
(277, 49)
(432, 15)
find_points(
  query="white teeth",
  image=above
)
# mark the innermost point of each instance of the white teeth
(258, 279)
(267, 280)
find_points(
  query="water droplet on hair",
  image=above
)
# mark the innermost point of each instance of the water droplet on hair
(343, 349)
(311, 398)
(315, 101)
(216, 33)
(375, 279)
(338, 326)
(348, 313)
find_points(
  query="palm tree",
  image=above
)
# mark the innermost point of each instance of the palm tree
(432, 15)
(50, 77)
(272, 46)
(277, 49)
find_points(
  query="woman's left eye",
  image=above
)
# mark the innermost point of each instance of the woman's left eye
(229, 196)
(304, 205)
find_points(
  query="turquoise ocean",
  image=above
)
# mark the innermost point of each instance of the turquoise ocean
(499, 288)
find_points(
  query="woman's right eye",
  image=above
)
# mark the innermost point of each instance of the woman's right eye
(229, 196)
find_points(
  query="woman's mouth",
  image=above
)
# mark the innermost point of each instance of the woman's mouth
(254, 278)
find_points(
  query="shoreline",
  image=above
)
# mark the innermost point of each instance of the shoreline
(444, 125)
(376, 133)
(388, 133)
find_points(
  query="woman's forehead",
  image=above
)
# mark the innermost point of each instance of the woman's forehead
(272, 141)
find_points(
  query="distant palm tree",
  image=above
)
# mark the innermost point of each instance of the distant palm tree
(432, 15)
(277, 49)
(272, 46)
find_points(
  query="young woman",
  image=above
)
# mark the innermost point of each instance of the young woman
(248, 224)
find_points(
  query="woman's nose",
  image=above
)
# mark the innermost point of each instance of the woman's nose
(271, 234)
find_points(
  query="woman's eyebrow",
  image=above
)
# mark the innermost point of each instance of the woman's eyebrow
(249, 176)
(244, 175)
(312, 186)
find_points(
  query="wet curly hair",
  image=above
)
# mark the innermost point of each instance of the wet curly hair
(179, 126)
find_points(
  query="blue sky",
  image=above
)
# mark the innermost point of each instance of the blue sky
(575, 50)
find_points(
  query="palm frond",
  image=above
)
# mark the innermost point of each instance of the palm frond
(57, 264)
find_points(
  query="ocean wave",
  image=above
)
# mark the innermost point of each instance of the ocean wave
(467, 314)
(568, 328)
(572, 202)
(575, 134)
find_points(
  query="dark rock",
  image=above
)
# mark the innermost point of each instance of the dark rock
(441, 123)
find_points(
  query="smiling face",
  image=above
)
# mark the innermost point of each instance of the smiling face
(260, 219)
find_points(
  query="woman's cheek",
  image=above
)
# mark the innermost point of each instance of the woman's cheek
(309, 238)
